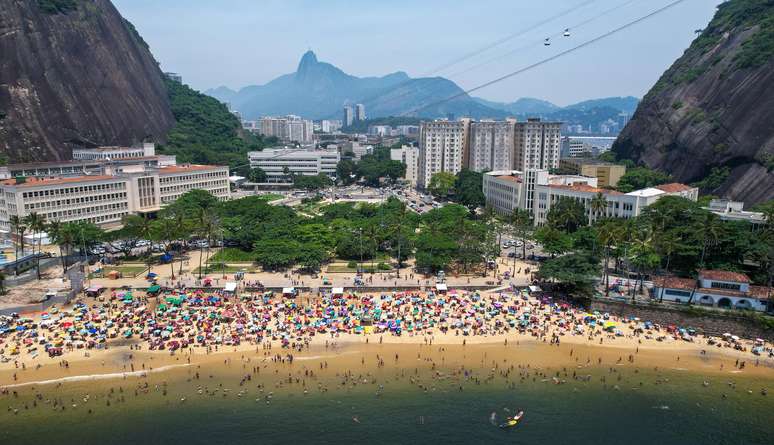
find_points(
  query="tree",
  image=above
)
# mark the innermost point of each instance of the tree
(166, 230)
(17, 228)
(63, 238)
(554, 242)
(608, 233)
(139, 227)
(576, 271)
(522, 227)
(442, 185)
(274, 254)
(642, 254)
(567, 214)
(640, 178)
(469, 189)
(312, 183)
(345, 171)
(597, 206)
(257, 175)
(36, 222)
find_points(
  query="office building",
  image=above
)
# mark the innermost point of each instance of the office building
(537, 145)
(105, 198)
(409, 156)
(277, 161)
(330, 126)
(147, 149)
(607, 174)
(491, 145)
(443, 145)
(537, 191)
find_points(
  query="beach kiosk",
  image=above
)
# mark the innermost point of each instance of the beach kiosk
(441, 288)
(288, 292)
(94, 291)
(230, 288)
(337, 292)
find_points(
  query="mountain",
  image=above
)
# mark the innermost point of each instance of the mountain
(75, 73)
(525, 105)
(319, 90)
(709, 118)
(625, 104)
(223, 94)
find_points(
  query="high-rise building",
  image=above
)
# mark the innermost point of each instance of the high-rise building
(409, 156)
(330, 126)
(349, 116)
(289, 128)
(491, 145)
(537, 145)
(360, 113)
(442, 148)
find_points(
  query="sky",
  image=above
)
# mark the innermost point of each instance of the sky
(237, 43)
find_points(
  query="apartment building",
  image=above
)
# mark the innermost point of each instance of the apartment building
(275, 161)
(104, 199)
(409, 156)
(443, 147)
(491, 145)
(147, 149)
(537, 145)
(288, 128)
(537, 191)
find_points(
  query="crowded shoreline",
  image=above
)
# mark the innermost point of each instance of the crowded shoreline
(195, 326)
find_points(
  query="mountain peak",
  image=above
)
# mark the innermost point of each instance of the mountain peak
(307, 60)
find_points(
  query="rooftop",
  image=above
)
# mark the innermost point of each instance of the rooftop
(674, 283)
(510, 178)
(40, 182)
(585, 188)
(761, 292)
(674, 187)
(724, 275)
(188, 168)
(646, 193)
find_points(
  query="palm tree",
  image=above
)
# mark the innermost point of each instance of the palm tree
(521, 224)
(16, 228)
(166, 230)
(36, 223)
(597, 205)
(711, 229)
(55, 232)
(2, 282)
(608, 233)
(643, 255)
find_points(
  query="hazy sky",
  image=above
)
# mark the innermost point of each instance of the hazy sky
(246, 42)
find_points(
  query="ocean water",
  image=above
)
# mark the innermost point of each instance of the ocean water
(670, 407)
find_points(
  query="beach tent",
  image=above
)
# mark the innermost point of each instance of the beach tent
(535, 289)
(441, 287)
(288, 292)
(230, 287)
(337, 291)
(93, 291)
(155, 289)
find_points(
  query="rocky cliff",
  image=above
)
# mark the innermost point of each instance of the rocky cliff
(75, 73)
(711, 115)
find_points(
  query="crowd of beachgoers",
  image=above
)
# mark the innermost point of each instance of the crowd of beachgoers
(209, 320)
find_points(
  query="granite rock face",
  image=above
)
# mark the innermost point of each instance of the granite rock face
(75, 78)
(714, 108)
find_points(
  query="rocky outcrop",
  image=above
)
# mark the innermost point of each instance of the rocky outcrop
(77, 76)
(714, 108)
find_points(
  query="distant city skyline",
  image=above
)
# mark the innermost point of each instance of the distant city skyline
(237, 43)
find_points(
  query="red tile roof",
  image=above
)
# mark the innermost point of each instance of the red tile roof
(761, 292)
(585, 188)
(725, 292)
(724, 275)
(674, 283)
(674, 187)
(39, 182)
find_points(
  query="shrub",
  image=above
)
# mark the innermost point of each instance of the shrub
(383, 266)
(352, 265)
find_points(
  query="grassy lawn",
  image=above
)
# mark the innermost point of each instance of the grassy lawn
(227, 269)
(367, 267)
(272, 197)
(126, 271)
(232, 255)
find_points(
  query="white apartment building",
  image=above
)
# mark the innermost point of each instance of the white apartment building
(287, 128)
(274, 162)
(147, 149)
(537, 145)
(360, 112)
(330, 126)
(491, 145)
(442, 148)
(409, 156)
(734, 211)
(105, 199)
(537, 191)
(349, 116)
